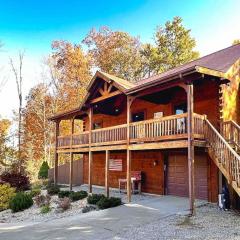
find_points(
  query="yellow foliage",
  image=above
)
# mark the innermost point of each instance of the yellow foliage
(6, 193)
(231, 94)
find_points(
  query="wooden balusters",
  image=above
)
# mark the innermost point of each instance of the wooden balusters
(225, 157)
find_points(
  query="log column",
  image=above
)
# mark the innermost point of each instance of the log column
(71, 156)
(56, 153)
(107, 173)
(129, 188)
(190, 129)
(90, 114)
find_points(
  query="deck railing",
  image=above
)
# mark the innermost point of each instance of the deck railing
(170, 127)
(111, 135)
(225, 157)
(231, 132)
(155, 129)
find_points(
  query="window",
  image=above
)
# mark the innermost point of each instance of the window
(138, 116)
(181, 122)
(179, 109)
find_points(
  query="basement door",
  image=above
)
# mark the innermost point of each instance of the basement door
(177, 176)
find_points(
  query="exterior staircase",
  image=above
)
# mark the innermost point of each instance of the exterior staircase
(224, 149)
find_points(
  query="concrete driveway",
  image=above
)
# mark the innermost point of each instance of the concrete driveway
(105, 224)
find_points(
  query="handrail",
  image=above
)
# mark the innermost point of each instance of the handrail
(232, 122)
(231, 131)
(169, 127)
(160, 119)
(226, 157)
(109, 128)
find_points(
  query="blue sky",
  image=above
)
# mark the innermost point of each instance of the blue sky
(33, 25)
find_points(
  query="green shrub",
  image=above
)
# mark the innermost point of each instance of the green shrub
(43, 171)
(20, 202)
(105, 202)
(115, 201)
(94, 198)
(88, 209)
(65, 193)
(35, 192)
(45, 209)
(75, 196)
(6, 193)
(53, 189)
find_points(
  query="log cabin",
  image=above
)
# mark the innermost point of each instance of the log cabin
(179, 129)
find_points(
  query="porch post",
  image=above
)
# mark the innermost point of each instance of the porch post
(129, 192)
(56, 153)
(90, 152)
(71, 155)
(107, 173)
(190, 128)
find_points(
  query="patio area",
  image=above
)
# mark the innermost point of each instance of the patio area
(163, 203)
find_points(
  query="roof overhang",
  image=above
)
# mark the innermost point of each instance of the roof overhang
(179, 75)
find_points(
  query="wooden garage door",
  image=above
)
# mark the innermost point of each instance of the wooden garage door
(177, 176)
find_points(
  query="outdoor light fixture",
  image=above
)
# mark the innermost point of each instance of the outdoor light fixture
(155, 163)
(116, 110)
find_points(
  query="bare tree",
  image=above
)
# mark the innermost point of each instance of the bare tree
(17, 72)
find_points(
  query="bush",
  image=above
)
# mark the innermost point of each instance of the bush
(64, 204)
(115, 201)
(75, 196)
(62, 194)
(94, 198)
(17, 180)
(105, 202)
(6, 193)
(42, 200)
(45, 209)
(43, 171)
(35, 192)
(88, 209)
(53, 189)
(20, 202)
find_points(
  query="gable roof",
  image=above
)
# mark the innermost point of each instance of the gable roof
(216, 64)
(120, 83)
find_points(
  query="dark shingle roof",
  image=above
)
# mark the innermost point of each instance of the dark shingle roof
(220, 61)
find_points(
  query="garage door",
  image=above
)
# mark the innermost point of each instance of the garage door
(177, 176)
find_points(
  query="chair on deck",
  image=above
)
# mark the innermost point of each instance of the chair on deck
(136, 183)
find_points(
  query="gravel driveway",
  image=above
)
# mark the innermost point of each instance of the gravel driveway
(209, 223)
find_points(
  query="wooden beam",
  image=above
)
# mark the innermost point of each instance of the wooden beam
(190, 128)
(71, 156)
(107, 173)
(56, 153)
(105, 96)
(129, 103)
(90, 153)
(90, 172)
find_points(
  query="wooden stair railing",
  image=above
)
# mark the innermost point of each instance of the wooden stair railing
(231, 132)
(225, 157)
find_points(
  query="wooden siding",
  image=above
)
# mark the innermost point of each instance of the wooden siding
(153, 179)
(153, 176)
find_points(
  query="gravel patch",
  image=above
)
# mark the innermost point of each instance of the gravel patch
(209, 223)
(33, 213)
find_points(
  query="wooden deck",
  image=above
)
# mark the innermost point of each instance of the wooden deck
(165, 132)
